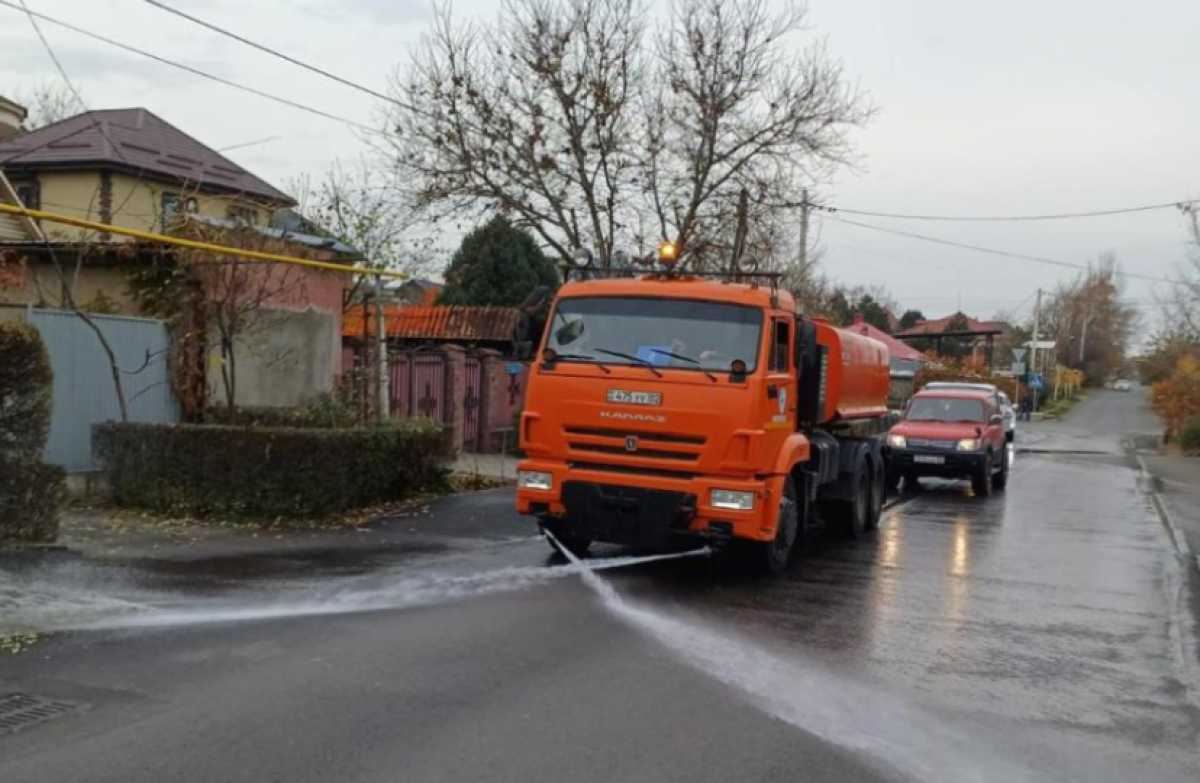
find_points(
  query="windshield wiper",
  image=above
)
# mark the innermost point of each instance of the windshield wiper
(687, 359)
(630, 357)
(582, 357)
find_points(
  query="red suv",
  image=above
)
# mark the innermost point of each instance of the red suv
(950, 433)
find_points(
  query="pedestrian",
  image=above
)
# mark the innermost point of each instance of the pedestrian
(1027, 407)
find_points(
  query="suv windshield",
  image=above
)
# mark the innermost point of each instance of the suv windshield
(675, 333)
(944, 409)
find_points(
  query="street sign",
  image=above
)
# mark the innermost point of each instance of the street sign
(1041, 345)
(1018, 354)
(1036, 382)
(1018, 368)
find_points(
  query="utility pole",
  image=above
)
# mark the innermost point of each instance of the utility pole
(382, 395)
(803, 230)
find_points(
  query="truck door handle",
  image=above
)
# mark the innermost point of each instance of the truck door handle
(772, 392)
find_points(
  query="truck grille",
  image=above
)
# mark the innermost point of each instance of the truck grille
(665, 448)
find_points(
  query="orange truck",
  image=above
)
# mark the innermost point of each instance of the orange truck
(665, 409)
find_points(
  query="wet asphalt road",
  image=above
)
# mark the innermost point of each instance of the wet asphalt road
(1034, 635)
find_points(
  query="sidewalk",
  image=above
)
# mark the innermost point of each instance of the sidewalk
(1178, 483)
(501, 467)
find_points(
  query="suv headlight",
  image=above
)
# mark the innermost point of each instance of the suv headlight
(728, 498)
(968, 444)
(534, 479)
(897, 441)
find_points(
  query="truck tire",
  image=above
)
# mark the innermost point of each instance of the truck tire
(578, 545)
(772, 556)
(1000, 478)
(875, 510)
(855, 512)
(981, 482)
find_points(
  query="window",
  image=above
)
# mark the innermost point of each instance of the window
(28, 193)
(952, 409)
(779, 347)
(243, 216)
(672, 333)
(170, 206)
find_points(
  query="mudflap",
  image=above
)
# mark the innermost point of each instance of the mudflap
(648, 519)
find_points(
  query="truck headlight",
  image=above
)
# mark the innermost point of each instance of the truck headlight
(534, 479)
(897, 441)
(968, 444)
(728, 498)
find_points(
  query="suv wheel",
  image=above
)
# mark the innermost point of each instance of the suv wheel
(1000, 477)
(981, 482)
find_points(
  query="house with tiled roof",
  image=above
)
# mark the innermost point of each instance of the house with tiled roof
(131, 169)
(982, 335)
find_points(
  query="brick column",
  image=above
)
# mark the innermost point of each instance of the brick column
(491, 379)
(455, 394)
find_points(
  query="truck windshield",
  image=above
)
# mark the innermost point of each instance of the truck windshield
(700, 335)
(944, 409)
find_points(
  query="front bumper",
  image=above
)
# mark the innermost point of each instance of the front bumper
(955, 464)
(649, 511)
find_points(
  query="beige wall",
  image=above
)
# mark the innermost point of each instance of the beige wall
(136, 203)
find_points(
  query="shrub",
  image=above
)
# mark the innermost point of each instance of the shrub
(325, 411)
(267, 471)
(26, 382)
(30, 496)
(1177, 398)
(1189, 436)
(30, 493)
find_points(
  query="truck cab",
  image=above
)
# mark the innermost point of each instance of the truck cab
(666, 409)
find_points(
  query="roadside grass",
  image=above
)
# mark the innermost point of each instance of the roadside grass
(1060, 407)
(18, 642)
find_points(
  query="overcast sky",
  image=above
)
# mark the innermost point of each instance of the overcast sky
(1023, 107)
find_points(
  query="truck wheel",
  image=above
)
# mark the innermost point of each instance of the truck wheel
(856, 511)
(773, 555)
(577, 545)
(1000, 479)
(981, 482)
(875, 510)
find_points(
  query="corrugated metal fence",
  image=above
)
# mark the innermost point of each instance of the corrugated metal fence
(83, 387)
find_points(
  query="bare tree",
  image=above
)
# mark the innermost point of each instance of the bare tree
(48, 103)
(571, 116)
(1091, 323)
(238, 299)
(361, 206)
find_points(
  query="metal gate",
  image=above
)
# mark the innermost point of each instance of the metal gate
(473, 383)
(83, 386)
(418, 385)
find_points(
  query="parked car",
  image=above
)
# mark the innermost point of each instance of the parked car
(1123, 385)
(1007, 410)
(950, 433)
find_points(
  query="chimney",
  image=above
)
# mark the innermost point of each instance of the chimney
(12, 115)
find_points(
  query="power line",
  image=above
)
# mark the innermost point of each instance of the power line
(1010, 218)
(280, 55)
(992, 251)
(191, 70)
(243, 144)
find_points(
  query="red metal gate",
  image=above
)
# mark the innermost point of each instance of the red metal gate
(418, 385)
(473, 383)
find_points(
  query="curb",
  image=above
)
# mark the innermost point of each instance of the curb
(1178, 539)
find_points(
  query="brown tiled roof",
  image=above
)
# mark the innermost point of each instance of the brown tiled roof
(939, 325)
(141, 142)
(443, 322)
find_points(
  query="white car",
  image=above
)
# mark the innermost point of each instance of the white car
(1123, 385)
(1002, 402)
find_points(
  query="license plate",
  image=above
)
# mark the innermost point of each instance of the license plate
(929, 459)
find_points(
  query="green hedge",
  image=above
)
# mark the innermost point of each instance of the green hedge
(30, 496)
(257, 471)
(324, 412)
(30, 493)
